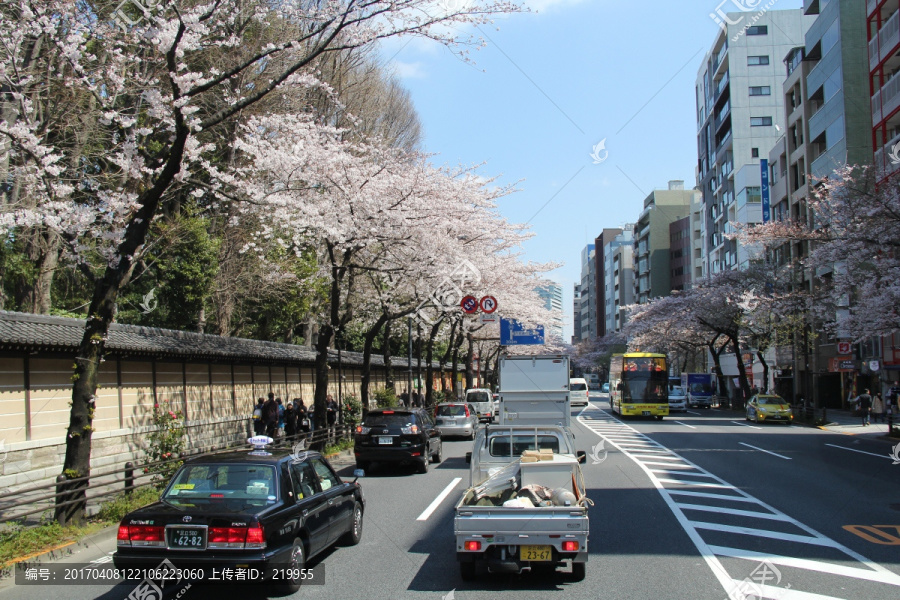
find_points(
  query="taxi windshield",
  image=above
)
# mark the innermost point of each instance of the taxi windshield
(770, 400)
(236, 487)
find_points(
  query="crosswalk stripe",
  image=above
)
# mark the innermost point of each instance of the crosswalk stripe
(646, 456)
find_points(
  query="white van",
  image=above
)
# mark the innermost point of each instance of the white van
(483, 401)
(578, 391)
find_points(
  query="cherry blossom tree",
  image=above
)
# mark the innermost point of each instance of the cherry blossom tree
(159, 92)
(853, 239)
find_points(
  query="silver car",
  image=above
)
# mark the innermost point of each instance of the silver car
(677, 399)
(456, 418)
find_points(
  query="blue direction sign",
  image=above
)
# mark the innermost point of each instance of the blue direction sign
(512, 333)
(764, 189)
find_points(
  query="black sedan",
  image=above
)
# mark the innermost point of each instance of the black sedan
(397, 435)
(268, 511)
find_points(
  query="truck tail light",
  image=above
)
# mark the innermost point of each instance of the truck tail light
(570, 546)
(473, 545)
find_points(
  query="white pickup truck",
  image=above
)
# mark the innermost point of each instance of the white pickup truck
(526, 505)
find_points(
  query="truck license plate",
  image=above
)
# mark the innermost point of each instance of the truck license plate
(386, 441)
(646, 413)
(537, 553)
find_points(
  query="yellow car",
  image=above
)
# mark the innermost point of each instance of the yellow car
(769, 407)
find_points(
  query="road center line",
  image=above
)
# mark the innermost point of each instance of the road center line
(745, 425)
(766, 451)
(685, 424)
(437, 501)
(690, 412)
(860, 451)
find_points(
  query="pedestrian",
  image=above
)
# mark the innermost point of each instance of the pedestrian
(259, 426)
(279, 431)
(404, 398)
(270, 415)
(864, 406)
(290, 422)
(878, 408)
(331, 410)
(302, 416)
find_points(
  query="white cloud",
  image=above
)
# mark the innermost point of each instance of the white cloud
(409, 70)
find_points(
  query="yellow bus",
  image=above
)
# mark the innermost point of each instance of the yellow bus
(639, 384)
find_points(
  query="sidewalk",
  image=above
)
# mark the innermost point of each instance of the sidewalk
(845, 422)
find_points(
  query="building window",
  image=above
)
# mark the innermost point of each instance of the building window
(757, 60)
(754, 152)
(760, 121)
(760, 90)
(758, 30)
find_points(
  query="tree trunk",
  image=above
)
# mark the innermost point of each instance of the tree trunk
(742, 373)
(429, 367)
(765, 366)
(386, 354)
(46, 269)
(716, 356)
(454, 367)
(366, 375)
(326, 332)
(101, 313)
(446, 357)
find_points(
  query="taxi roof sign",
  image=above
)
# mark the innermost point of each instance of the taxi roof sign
(259, 443)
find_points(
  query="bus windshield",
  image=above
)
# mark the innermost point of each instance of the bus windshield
(644, 367)
(644, 390)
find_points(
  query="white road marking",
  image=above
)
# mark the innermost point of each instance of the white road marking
(779, 593)
(766, 451)
(690, 412)
(102, 559)
(861, 451)
(605, 426)
(685, 424)
(437, 501)
(745, 425)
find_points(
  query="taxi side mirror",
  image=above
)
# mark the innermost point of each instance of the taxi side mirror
(582, 456)
(468, 458)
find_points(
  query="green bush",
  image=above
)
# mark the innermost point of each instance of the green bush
(352, 410)
(165, 443)
(386, 398)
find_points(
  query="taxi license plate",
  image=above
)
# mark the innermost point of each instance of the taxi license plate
(187, 538)
(537, 553)
(646, 413)
(386, 441)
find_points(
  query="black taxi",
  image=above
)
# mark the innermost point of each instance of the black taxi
(271, 511)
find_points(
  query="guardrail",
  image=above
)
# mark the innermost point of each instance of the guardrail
(40, 498)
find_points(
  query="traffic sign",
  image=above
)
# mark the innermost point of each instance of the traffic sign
(489, 318)
(843, 347)
(488, 304)
(469, 304)
(513, 333)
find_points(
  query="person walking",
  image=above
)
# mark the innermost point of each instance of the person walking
(878, 408)
(290, 422)
(279, 431)
(864, 406)
(302, 416)
(259, 426)
(270, 415)
(331, 414)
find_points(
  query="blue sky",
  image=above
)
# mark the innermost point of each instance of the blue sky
(551, 85)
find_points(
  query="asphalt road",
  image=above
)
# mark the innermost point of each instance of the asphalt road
(700, 505)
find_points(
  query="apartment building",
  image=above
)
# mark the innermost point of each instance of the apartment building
(576, 314)
(739, 111)
(602, 246)
(552, 295)
(652, 272)
(883, 34)
(588, 306)
(615, 277)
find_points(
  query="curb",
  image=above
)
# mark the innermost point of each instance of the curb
(62, 551)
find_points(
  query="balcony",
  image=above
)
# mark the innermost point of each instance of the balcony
(876, 108)
(870, 7)
(884, 161)
(881, 46)
(889, 98)
(720, 87)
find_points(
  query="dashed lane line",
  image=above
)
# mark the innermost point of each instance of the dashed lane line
(766, 451)
(437, 501)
